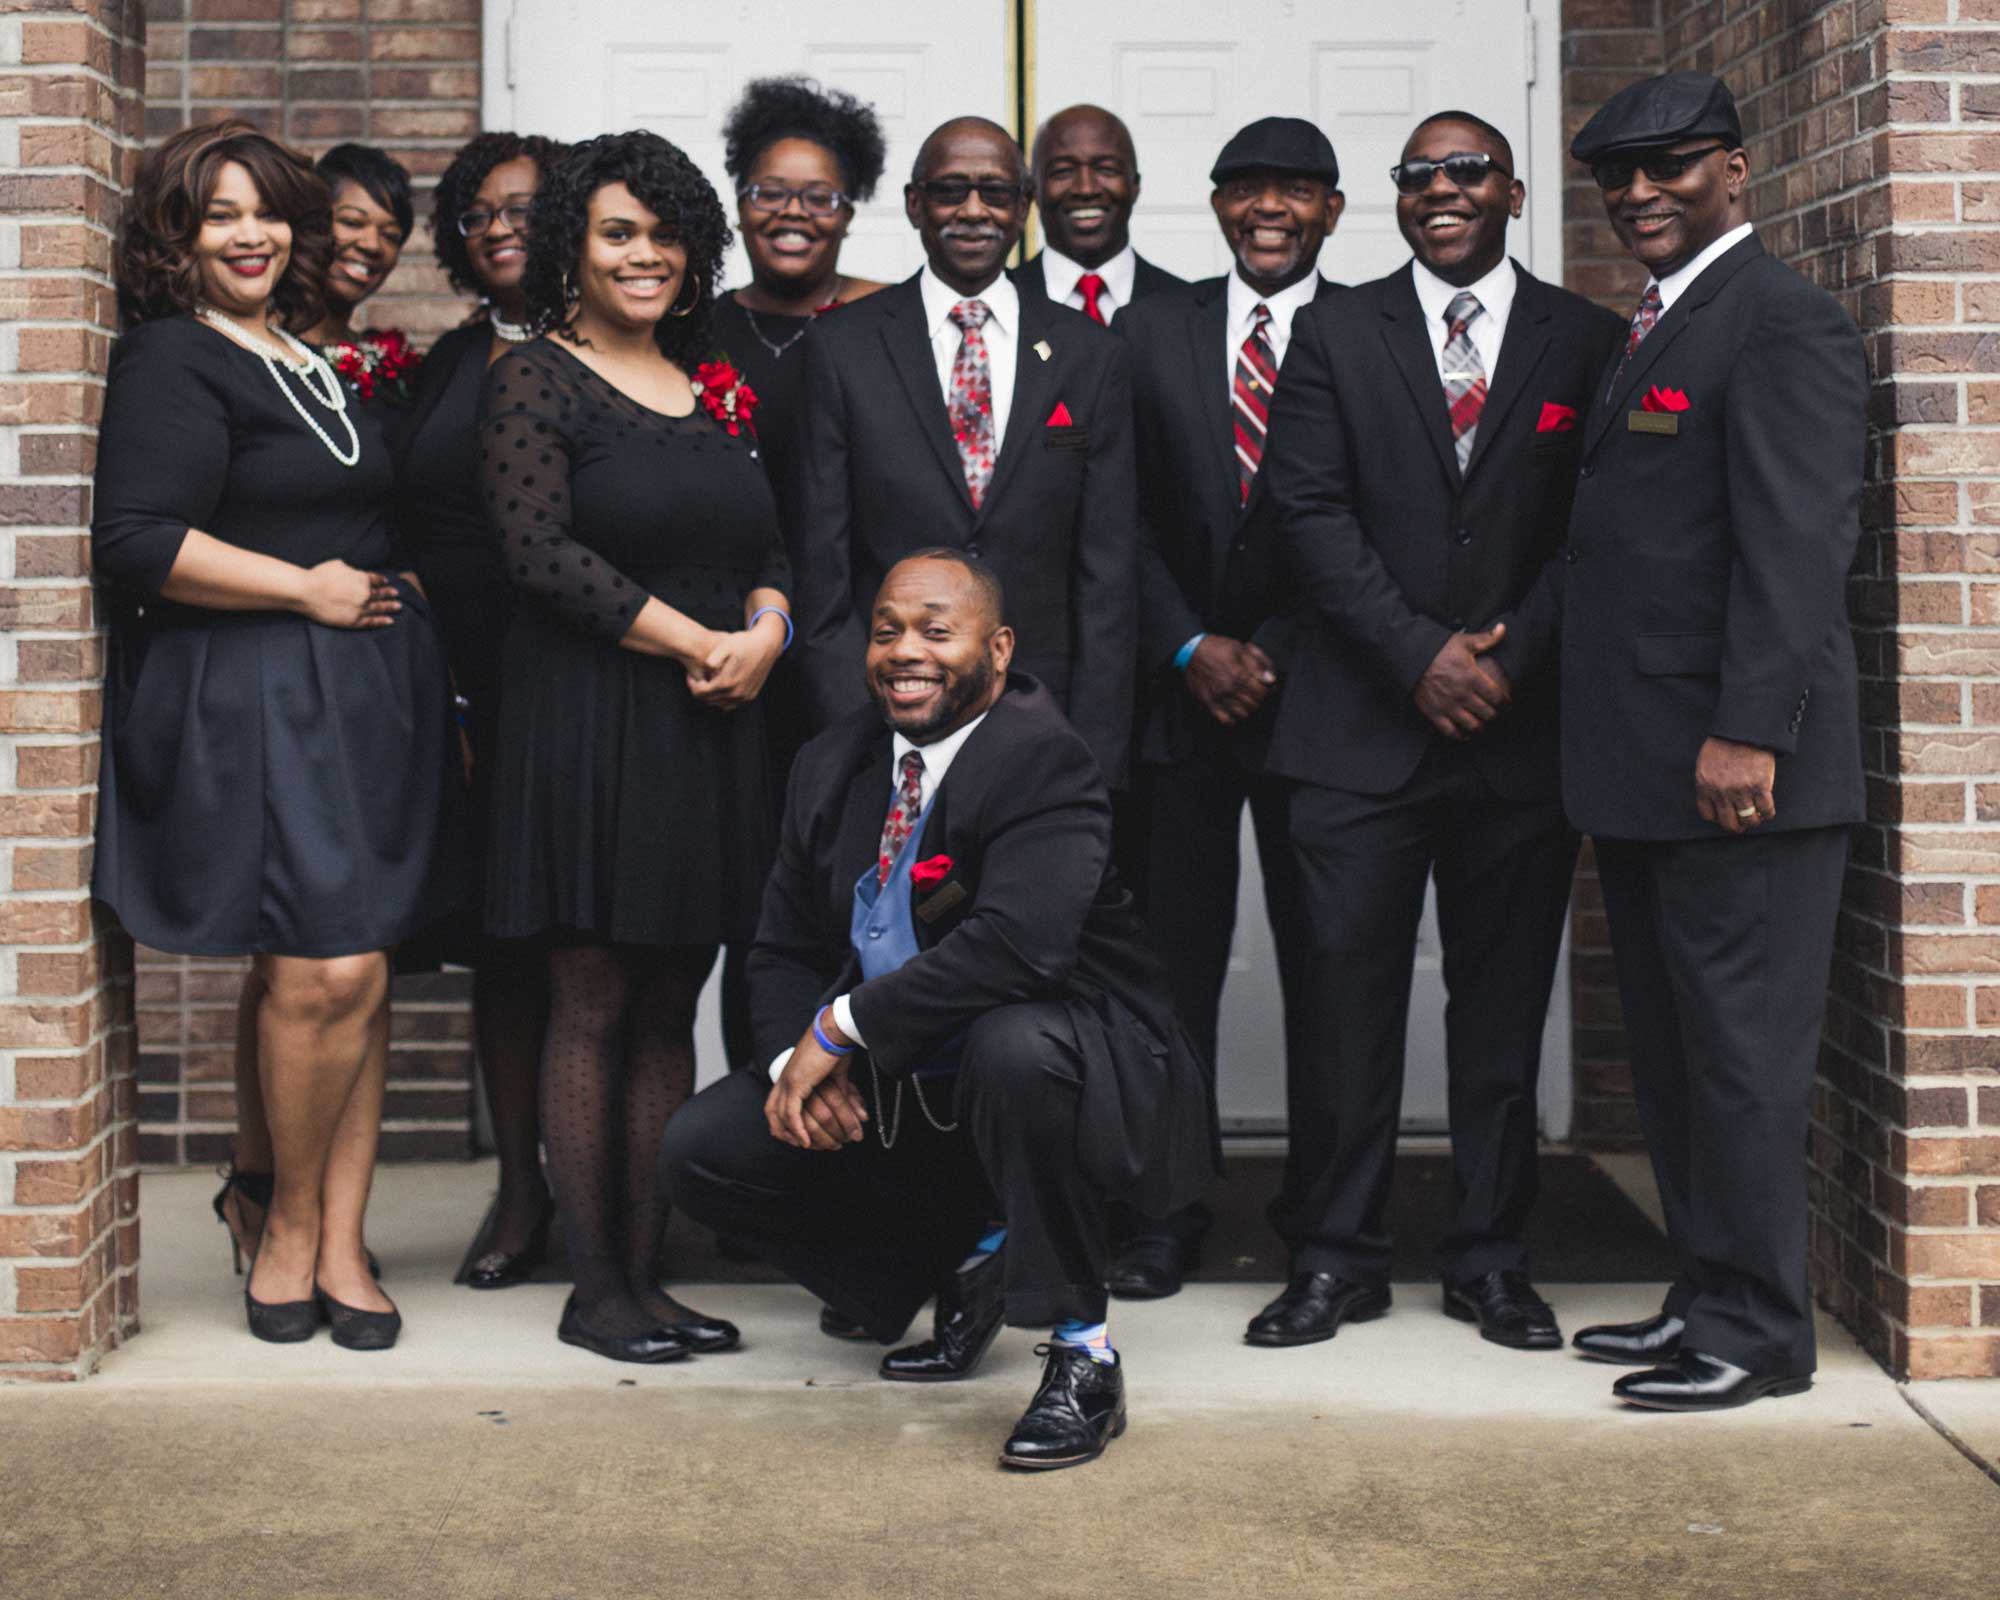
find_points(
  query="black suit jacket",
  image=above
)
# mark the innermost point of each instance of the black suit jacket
(1147, 280)
(1030, 910)
(1394, 549)
(1706, 590)
(1205, 557)
(882, 478)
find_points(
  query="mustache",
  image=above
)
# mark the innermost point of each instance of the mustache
(970, 231)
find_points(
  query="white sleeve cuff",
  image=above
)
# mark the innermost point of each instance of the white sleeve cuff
(843, 1018)
(778, 1063)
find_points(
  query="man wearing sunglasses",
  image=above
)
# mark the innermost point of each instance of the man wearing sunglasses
(952, 409)
(1710, 725)
(1422, 455)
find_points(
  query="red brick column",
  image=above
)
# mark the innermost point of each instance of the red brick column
(69, 1232)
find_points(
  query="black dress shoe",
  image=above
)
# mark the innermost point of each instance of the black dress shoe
(835, 1326)
(704, 1335)
(499, 1269)
(355, 1329)
(652, 1347)
(1647, 1343)
(1695, 1382)
(970, 1308)
(1079, 1409)
(1151, 1267)
(1507, 1309)
(1313, 1307)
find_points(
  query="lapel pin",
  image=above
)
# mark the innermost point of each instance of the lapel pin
(1042, 349)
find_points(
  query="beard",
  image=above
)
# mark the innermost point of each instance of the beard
(959, 694)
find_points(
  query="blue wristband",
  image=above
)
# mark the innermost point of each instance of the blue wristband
(827, 1044)
(775, 611)
(1185, 654)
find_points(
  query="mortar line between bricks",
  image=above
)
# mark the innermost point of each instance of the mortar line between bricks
(1945, 1433)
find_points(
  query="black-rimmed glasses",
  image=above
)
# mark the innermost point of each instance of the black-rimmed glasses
(1464, 169)
(1659, 166)
(816, 199)
(471, 224)
(952, 193)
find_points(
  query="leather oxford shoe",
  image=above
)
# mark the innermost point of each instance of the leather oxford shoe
(1079, 1409)
(835, 1326)
(651, 1348)
(1646, 1343)
(1695, 1382)
(1507, 1309)
(1151, 1267)
(970, 1308)
(1313, 1307)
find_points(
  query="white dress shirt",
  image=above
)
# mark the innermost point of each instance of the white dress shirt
(1060, 275)
(1488, 330)
(1243, 303)
(1002, 333)
(938, 758)
(1675, 284)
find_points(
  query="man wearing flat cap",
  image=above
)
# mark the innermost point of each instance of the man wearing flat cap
(1204, 359)
(1709, 725)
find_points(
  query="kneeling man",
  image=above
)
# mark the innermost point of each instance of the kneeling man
(966, 1024)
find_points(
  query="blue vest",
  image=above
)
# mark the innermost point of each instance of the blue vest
(882, 928)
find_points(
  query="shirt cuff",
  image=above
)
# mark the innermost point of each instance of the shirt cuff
(778, 1064)
(843, 1019)
(1186, 652)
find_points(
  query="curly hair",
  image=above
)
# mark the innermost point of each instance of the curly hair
(799, 108)
(667, 183)
(471, 167)
(156, 270)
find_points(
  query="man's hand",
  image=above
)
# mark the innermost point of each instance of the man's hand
(1458, 692)
(1229, 678)
(812, 1105)
(1733, 784)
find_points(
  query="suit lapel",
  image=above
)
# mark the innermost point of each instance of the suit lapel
(1409, 342)
(1207, 334)
(1521, 351)
(908, 342)
(1034, 383)
(861, 816)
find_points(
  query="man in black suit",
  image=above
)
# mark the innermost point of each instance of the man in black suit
(1086, 184)
(943, 900)
(1422, 455)
(951, 408)
(1210, 650)
(1710, 727)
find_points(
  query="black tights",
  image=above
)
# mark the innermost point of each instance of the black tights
(617, 1062)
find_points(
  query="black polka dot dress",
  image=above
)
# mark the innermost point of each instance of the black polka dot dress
(623, 810)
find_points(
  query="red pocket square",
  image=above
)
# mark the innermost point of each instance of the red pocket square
(1658, 399)
(929, 874)
(1555, 418)
(1060, 417)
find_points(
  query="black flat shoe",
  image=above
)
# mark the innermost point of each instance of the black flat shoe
(835, 1326)
(282, 1322)
(1695, 1382)
(652, 1347)
(1507, 1309)
(1151, 1267)
(497, 1269)
(1648, 1343)
(1313, 1307)
(705, 1336)
(970, 1308)
(355, 1329)
(1079, 1409)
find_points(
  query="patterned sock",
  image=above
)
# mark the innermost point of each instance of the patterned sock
(986, 1246)
(1092, 1336)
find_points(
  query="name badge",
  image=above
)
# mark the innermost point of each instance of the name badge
(1652, 422)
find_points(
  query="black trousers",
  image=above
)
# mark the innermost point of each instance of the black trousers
(1347, 901)
(1723, 946)
(872, 1231)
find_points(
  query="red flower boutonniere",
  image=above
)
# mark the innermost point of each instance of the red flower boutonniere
(720, 387)
(1658, 399)
(929, 874)
(379, 361)
(1556, 418)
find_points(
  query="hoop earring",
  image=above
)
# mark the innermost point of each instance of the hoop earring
(570, 293)
(691, 304)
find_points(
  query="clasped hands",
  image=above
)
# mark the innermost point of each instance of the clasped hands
(813, 1106)
(1459, 692)
(729, 669)
(1229, 678)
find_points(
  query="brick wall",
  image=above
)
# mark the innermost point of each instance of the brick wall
(70, 111)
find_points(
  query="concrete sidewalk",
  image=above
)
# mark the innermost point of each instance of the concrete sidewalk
(482, 1458)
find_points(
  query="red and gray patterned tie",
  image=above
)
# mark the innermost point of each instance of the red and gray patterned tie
(971, 403)
(1090, 286)
(1250, 399)
(1642, 324)
(904, 808)
(1464, 374)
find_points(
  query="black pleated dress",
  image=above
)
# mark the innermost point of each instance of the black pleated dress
(269, 785)
(623, 810)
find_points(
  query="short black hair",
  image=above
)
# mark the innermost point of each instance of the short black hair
(991, 593)
(798, 107)
(475, 160)
(666, 183)
(385, 179)
(1466, 117)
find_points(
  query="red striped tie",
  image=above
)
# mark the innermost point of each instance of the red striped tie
(1250, 399)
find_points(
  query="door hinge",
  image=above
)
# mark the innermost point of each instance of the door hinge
(507, 39)
(1531, 42)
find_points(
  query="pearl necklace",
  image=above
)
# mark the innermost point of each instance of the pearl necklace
(512, 332)
(319, 379)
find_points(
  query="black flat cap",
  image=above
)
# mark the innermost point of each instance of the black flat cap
(1657, 111)
(1278, 144)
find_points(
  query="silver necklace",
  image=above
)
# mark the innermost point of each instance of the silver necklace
(776, 349)
(512, 332)
(319, 379)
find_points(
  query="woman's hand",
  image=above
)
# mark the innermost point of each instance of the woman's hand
(339, 596)
(733, 672)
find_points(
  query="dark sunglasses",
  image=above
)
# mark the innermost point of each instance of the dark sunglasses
(1464, 170)
(954, 192)
(471, 224)
(816, 199)
(1659, 166)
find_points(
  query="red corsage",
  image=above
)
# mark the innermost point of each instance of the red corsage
(380, 359)
(929, 874)
(720, 387)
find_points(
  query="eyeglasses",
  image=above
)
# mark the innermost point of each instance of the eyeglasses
(951, 193)
(1464, 169)
(817, 199)
(473, 223)
(1659, 166)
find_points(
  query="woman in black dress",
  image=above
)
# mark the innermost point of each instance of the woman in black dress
(277, 759)
(631, 828)
(480, 227)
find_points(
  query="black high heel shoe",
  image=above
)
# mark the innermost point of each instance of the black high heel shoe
(255, 1187)
(355, 1329)
(499, 1270)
